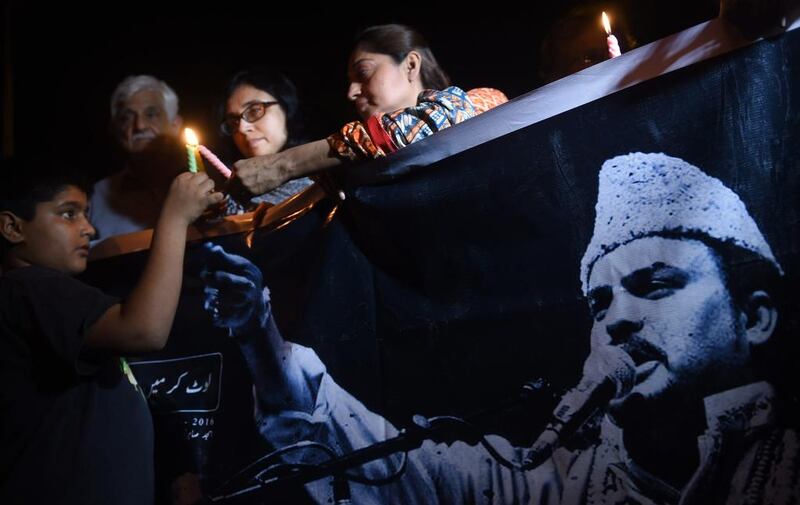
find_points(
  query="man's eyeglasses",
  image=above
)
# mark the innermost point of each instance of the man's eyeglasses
(251, 114)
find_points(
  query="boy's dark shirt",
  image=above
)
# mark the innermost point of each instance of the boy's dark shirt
(73, 428)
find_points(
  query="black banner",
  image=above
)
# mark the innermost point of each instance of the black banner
(444, 288)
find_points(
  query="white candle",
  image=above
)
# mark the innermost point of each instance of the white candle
(611, 40)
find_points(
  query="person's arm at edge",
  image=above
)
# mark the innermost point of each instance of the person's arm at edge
(143, 321)
(357, 140)
(264, 173)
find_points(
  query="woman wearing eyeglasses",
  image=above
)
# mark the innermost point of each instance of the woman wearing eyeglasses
(261, 115)
(402, 96)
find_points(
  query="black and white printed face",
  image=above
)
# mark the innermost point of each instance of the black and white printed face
(665, 302)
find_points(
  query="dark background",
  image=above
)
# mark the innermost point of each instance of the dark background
(63, 61)
(445, 290)
(443, 287)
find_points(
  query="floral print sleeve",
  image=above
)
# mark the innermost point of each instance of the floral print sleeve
(435, 111)
(486, 98)
(380, 135)
(353, 142)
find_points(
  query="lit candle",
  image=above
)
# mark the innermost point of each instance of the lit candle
(212, 158)
(191, 148)
(201, 167)
(611, 40)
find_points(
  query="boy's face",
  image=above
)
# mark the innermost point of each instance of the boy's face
(58, 235)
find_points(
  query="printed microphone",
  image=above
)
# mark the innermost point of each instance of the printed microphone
(608, 373)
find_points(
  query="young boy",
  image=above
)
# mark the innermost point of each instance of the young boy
(74, 428)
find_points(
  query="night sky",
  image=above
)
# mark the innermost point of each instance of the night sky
(64, 66)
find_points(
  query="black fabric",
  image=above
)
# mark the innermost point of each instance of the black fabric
(198, 388)
(73, 429)
(442, 287)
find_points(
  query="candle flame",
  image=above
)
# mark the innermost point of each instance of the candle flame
(606, 23)
(190, 136)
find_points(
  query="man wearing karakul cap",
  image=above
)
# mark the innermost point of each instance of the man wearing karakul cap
(699, 425)
(653, 194)
(662, 280)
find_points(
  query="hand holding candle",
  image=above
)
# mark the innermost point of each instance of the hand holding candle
(191, 148)
(611, 40)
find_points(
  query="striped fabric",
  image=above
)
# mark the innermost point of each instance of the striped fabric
(435, 111)
(486, 98)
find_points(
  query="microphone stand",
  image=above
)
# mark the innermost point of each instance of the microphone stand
(408, 439)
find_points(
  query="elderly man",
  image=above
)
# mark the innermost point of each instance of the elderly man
(145, 124)
(680, 283)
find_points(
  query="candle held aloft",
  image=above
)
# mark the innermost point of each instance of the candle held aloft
(611, 40)
(191, 148)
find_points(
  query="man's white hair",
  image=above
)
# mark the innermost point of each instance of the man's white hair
(136, 83)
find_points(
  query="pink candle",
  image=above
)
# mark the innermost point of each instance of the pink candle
(613, 46)
(212, 158)
(611, 40)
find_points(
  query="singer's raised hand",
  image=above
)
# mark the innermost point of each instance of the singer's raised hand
(233, 294)
(235, 297)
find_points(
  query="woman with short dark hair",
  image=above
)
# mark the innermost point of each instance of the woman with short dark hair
(261, 114)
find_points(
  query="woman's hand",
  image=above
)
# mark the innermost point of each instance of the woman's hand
(260, 174)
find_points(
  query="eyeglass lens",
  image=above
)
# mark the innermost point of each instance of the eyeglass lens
(251, 114)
